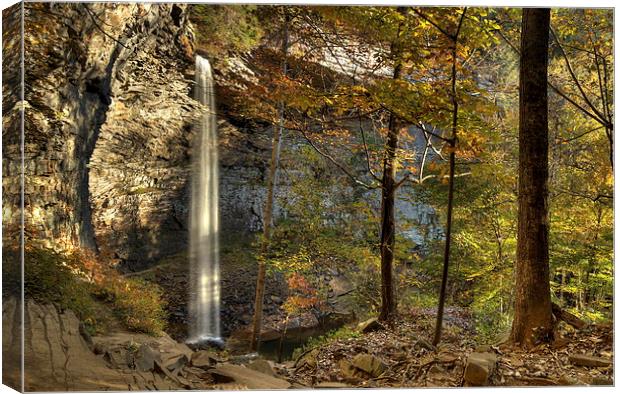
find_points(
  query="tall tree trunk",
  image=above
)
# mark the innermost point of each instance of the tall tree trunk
(591, 268)
(268, 211)
(388, 223)
(533, 320)
(452, 147)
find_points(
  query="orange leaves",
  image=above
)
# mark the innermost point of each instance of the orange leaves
(297, 282)
(303, 295)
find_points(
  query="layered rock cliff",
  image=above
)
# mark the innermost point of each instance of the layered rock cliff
(108, 132)
(107, 127)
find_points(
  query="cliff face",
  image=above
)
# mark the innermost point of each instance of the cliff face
(108, 130)
(107, 127)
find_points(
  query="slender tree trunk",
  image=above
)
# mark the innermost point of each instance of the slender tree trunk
(592, 258)
(388, 198)
(533, 320)
(446, 255)
(452, 159)
(282, 338)
(268, 211)
(388, 223)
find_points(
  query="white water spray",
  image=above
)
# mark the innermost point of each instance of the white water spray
(204, 218)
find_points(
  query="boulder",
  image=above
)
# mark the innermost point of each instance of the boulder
(144, 358)
(337, 319)
(174, 364)
(348, 371)
(369, 325)
(584, 360)
(479, 368)
(447, 358)
(308, 359)
(203, 359)
(253, 380)
(117, 358)
(262, 366)
(370, 364)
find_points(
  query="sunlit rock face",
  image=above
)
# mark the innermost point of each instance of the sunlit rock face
(204, 252)
(107, 128)
(140, 166)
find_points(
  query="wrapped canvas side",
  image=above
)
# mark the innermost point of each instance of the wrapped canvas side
(12, 197)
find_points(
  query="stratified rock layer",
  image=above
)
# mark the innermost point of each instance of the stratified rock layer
(57, 356)
(108, 118)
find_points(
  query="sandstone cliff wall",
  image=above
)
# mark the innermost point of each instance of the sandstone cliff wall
(108, 115)
(108, 132)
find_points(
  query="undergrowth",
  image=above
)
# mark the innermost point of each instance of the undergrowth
(77, 280)
(345, 332)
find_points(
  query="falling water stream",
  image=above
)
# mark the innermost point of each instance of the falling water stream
(204, 218)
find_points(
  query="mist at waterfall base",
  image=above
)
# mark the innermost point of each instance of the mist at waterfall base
(204, 253)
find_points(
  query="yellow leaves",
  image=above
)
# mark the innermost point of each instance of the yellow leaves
(470, 145)
(609, 179)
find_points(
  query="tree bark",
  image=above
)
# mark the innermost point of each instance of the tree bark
(268, 211)
(532, 322)
(388, 222)
(452, 146)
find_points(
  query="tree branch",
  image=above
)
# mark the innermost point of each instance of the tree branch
(92, 17)
(429, 20)
(553, 87)
(573, 76)
(366, 150)
(334, 161)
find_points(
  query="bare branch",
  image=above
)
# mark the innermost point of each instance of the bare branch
(92, 17)
(574, 77)
(334, 161)
(429, 20)
(366, 150)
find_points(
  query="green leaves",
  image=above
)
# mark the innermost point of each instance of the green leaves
(222, 28)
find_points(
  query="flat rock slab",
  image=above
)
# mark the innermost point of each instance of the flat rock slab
(144, 358)
(479, 368)
(262, 366)
(583, 360)
(203, 359)
(58, 358)
(250, 378)
(370, 364)
(370, 325)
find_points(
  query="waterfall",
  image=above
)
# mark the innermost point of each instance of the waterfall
(204, 251)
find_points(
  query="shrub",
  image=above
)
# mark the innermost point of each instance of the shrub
(50, 277)
(136, 302)
(76, 279)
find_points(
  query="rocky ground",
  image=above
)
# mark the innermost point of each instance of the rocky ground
(402, 356)
(61, 356)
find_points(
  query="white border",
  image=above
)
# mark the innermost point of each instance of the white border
(496, 3)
